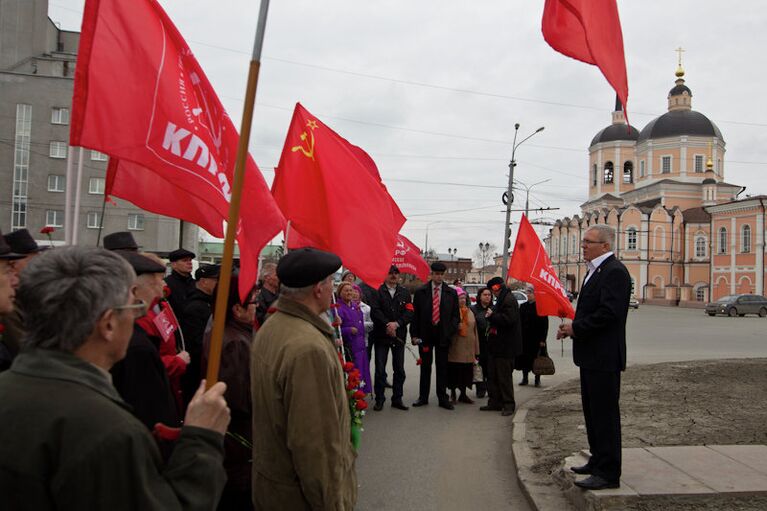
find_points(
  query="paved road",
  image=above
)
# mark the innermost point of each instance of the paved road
(434, 459)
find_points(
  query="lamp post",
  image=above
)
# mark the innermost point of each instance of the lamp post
(527, 194)
(507, 229)
(484, 248)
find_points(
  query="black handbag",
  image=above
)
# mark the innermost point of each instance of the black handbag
(543, 365)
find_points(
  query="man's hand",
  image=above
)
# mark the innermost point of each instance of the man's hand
(488, 313)
(415, 341)
(208, 409)
(354, 330)
(565, 330)
(391, 328)
(184, 356)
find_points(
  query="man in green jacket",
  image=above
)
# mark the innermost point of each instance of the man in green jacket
(67, 440)
(302, 451)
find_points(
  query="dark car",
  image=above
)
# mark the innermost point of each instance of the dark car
(738, 305)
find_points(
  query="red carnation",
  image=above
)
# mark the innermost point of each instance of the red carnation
(361, 404)
(351, 385)
(358, 395)
(348, 367)
(335, 305)
(418, 362)
(47, 230)
(493, 331)
(2, 328)
(426, 349)
(336, 323)
(409, 307)
(355, 374)
(166, 291)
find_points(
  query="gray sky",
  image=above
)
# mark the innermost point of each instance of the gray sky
(432, 89)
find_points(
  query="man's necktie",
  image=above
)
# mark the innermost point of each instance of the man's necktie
(435, 306)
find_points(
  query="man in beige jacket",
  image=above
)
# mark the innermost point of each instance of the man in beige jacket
(302, 451)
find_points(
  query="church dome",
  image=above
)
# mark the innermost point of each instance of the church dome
(677, 123)
(615, 132)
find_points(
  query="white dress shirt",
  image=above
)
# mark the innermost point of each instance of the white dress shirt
(594, 264)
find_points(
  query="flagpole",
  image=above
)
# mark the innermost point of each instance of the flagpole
(219, 314)
(76, 211)
(68, 197)
(101, 220)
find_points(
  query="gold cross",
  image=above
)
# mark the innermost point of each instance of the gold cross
(679, 51)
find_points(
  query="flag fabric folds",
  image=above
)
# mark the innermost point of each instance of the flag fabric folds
(332, 194)
(141, 97)
(589, 31)
(530, 263)
(407, 258)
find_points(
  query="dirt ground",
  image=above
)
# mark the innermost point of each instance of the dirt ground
(687, 403)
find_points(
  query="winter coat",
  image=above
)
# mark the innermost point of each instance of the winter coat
(535, 328)
(386, 309)
(464, 348)
(504, 338)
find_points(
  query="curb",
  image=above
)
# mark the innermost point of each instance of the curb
(541, 491)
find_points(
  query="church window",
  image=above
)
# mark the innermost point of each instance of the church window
(628, 172)
(722, 240)
(596, 175)
(641, 168)
(631, 235)
(745, 233)
(665, 164)
(699, 163)
(700, 294)
(608, 173)
(700, 246)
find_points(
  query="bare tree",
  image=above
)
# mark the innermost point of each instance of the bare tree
(483, 256)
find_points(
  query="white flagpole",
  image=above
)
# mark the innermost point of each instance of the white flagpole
(68, 197)
(75, 226)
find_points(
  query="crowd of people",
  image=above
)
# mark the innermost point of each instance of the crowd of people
(92, 337)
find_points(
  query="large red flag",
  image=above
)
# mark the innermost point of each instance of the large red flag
(589, 31)
(141, 97)
(530, 263)
(407, 258)
(332, 194)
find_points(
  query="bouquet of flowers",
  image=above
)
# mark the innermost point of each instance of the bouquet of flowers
(357, 403)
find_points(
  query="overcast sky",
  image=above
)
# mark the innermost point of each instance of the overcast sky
(432, 89)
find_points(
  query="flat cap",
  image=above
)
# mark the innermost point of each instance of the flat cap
(140, 263)
(306, 266)
(438, 266)
(393, 270)
(207, 271)
(5, 250)
(120, 241)
(180, 253)
(21, 242)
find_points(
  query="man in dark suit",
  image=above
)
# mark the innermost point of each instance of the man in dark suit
(391, 312)
(435, 321)
(599, 349)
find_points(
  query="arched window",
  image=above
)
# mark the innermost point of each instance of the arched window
(723, 240)
(700, 246)
(596, 175)
(575, 244)
(631, 239)
(660, 239)
(609, 173)
(745, 234)
(628, 172)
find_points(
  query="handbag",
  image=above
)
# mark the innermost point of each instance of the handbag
(543, 365)
(478, 376)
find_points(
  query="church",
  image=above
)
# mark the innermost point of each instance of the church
(682, 231)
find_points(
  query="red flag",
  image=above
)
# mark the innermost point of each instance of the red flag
(332, 194)
(530, 263)
(407, 258)
(589, 31)
(141, 97)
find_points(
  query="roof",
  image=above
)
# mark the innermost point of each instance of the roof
(679, 122)
(679, 89)
(648, 203)
(709, 181)
(615, 132)
(696, 216)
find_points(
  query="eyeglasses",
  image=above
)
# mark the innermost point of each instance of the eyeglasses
(589, 242)
(138, 308)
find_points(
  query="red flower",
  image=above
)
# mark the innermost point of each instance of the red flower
(2, 328)
(409, 307)
(336, 323)
(426, 349)
(351, 385)
(493, 331)
(358, 395)
(355, 374)
(419, 361)
(348, 367)
(47, 230)
(335, 305)
(361, 404)
(166, 291)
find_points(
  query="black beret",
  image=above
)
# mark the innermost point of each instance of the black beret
(21, 242)
(141, 264)
(180, 253)
(495, 281)
(306, 266)
(120, 241)
(5, 250)
(207, 271)
(438, 266)
(393, 270)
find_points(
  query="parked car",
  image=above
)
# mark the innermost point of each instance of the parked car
(633, 302)
(738, 305)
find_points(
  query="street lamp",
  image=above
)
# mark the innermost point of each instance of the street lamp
(484, 248)
(527, 195)
(507, 230)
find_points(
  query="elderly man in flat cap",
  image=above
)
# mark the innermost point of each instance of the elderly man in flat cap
(22, 243)
(68, 441)
(180, 281)
(9, 317)
(302, 452)
(122, 240)
(435, 321)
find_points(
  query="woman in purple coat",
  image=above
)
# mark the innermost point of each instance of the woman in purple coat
(353, 332)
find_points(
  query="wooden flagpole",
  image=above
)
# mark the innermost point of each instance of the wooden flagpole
(219, 314)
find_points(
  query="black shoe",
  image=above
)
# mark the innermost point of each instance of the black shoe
(508, 410)
(420, 402)
(378, 406)
(399, 406)
(597, 483)
(447, 405)
(490, 408)
(583, 469)
(537, 381)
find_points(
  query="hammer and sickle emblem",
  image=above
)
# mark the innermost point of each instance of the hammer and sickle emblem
(309, 149)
